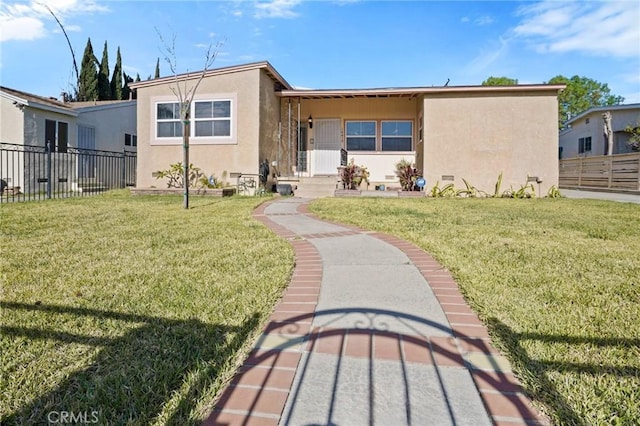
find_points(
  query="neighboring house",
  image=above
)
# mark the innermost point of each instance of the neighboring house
(584, 135)
(30, 121)
(245, 114)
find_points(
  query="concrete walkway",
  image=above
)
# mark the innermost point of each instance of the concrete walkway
(601, 195)
(371, 331)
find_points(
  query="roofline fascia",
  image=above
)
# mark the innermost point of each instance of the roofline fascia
(211, 72)
(602, 108)
(90, 108)
(421, 90)
(37, 105)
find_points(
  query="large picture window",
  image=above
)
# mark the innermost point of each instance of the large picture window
(361, 135)
(397, 135)
(209, 119)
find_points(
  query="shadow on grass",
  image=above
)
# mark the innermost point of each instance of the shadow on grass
(132, 377)
(540, 386)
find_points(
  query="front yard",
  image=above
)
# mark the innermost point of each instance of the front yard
(133, 310)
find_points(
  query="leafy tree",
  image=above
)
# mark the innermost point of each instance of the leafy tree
(116, 79)
(88, 82)
(157, 75)
(500, 81)
(104, 87)
(581, 94)
(634, 136)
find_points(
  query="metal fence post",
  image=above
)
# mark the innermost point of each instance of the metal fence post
(48, 152)
(123, 175)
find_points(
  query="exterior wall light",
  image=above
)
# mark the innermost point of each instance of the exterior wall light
(310, 122)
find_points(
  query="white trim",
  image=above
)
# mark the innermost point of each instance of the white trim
(195, 140)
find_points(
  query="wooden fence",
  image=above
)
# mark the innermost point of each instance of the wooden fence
(619, 172)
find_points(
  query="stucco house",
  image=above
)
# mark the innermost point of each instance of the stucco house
(30, 121)
(245, 114)
(584, 136)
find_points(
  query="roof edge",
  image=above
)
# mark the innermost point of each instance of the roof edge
(212, 72)
(601, 108)
(421, 90)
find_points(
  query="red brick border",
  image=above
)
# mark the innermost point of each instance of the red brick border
(258, 393)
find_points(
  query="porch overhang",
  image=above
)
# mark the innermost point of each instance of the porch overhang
(412, 92)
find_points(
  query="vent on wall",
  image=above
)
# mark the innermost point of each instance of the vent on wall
(389, 177)
(447, 177)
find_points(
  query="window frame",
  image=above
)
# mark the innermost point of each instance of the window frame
(133, 140)
(378, 146)
(213, 119)
(410, 137)
(230, 139)
(347, 136)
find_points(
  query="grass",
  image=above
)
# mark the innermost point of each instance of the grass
(556, 281)
(130, 309)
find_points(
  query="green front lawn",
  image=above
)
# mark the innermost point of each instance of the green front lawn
(556, 281)
(130, 309)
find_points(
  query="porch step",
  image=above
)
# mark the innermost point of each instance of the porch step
(316, 187)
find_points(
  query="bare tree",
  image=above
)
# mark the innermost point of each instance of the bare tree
(184, 88)
(73, 54)
(608, 132)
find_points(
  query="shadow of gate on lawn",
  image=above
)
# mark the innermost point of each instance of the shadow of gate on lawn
(133, 376)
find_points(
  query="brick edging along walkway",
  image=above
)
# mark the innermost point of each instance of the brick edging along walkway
(258, 393)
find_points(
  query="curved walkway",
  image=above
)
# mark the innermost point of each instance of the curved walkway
(371, 330)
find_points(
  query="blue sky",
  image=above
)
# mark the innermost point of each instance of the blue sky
(333, 44)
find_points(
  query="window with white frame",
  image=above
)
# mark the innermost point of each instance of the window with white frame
(209, 119)
(397, 135)
(361, 135)
(212, 118)
(168, 120)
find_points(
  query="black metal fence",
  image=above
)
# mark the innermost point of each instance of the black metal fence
(38, 173)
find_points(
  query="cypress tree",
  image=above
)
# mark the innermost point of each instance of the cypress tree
(157, 69)
(88, 84)
(116, 79)
(104, 87)
(126, 91)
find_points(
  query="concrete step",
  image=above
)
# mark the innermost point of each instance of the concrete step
(315, 187)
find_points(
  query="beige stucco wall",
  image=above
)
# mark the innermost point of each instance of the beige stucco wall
(110, 122)
(477, 137)
(269, 119)
(620, 119)
(11, 122)
(239, 155)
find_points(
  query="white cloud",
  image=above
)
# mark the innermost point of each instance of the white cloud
(20, 28)
(276, 9)
(596, 28)
(26, 21)
(465, 19)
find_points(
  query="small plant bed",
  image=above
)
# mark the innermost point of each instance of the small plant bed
(555, 280)
(131, 309)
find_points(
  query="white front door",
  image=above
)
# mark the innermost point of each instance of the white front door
(327, 146)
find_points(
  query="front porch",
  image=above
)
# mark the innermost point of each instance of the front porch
(323, 130)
